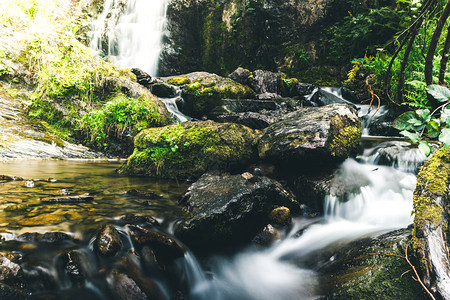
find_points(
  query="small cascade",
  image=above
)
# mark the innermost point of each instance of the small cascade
(380, 187)
(172, 107)
(130, 33)
(401, 155)
(369, 115)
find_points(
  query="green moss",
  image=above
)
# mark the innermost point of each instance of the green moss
(288, 86)
(179, 80)
(204, 94)
(189, 149)
(346, 141)
(118, 120)
(346, 137)
(432, 185)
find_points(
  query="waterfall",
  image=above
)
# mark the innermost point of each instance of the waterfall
(130, 33)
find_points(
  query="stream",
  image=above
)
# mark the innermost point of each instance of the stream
(378, 199)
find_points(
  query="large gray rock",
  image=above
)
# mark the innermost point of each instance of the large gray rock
(266, 84)
(253, 120)
(312, 136)
(226, 209)
(205, 93)
(240, 75)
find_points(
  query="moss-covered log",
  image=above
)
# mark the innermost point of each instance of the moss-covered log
(431, 222)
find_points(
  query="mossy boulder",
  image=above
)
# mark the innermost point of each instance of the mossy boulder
(188, 150)
(370, 268)
(312, 136)
(228, 209)
(431, 210)
(203, 94)
(179, 80)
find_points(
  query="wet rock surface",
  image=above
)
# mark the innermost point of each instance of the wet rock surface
(267, 236)
(266, 84)
(227, 209)
(47, 237)
(327, 96)
(240, 75)
(311, 189)
(280, 216)
(165, 247)
(370, 268)
(252, 120)
(312, 136)
(107, 241)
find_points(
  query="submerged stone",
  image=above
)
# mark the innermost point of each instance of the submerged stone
(48, 237)
(228, 209)
(188, 150)
(165, 247)
(143, 194)
(43, 219)
(267, 236)
(70, 199)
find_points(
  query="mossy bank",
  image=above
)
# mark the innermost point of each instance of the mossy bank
(42, 54)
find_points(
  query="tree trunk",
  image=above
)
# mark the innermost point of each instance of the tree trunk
(433, 44)
(444, 58)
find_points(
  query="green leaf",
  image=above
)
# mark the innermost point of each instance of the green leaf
(425, 148)
(434, 123)
(445, 116)
(445, 137)
(402, 121)
(424, 114)
(413, 136)
(439, 92)
(415, 122)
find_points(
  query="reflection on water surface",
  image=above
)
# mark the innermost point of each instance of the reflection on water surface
(23, 207)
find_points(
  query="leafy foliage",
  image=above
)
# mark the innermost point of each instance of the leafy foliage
(422, 123)
(120, 118)
(361, 33)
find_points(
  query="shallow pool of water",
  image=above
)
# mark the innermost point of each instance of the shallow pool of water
(23, 205)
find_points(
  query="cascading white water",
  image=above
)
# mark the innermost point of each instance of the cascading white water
(130, 33)
(382, 202)
(171, 105)
(368, 115)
